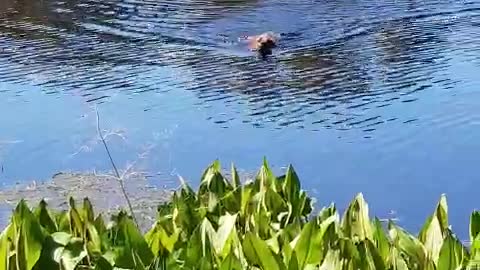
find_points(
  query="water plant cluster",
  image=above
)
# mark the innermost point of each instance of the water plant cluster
(266, 223)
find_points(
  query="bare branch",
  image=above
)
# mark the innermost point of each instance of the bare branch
(120, 180)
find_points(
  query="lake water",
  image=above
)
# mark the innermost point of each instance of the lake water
(379, 97)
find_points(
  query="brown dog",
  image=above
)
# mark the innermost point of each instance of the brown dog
(263, 43)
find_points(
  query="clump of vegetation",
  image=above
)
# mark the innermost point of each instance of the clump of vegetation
(266, 223)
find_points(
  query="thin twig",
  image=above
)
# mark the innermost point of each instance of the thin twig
(120, 180)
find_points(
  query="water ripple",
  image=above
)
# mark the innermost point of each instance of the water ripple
(356, 58)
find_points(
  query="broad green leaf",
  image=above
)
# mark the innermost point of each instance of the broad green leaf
(30, 238)
(213, 182)
(396, 261)
(474, 225)
(409, 245)
(247, 193)
(332, 260)
(226, 236)
(258, 254)
(159, 241)
(185, 206)
(231, 263)
(474, 258)
(45, 218)
(327, 212)
(88, 214)
(137, 261)
(235, 178)
(6, 241)
(305, 205)
(432, 232)
(356, 222)
(291, 189)
(262, 223)
(232, 201)
(204, 264)
(274, 202)
(265, 178)
(200, 244)
(349, 253)
(103, 264)
(452, 253)
(293, 262)
(380, 239)
(433, 239)
(63, 222)
(72, 254)
(128, 239)
(62, 238)
(308, 247)
(442, 212)
(94, 242)
(369, 256)
(47, 260)
(76, 223)
(99, 224)
(291, 186)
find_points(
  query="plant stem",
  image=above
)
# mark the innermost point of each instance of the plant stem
(120, 180)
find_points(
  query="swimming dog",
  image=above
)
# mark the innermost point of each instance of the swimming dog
(263, 43)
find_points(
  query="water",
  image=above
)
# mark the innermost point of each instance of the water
(379, 97)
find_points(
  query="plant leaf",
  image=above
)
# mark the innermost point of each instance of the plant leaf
(409, 245)
(293, 263)
(432, 232)
(258, 254)
(226, 235)
(452, 253)
(308, 247)
(73, 254)
(128, 239)
(231, 263)
(474, 225)
(6, 241)
(381, 240)
(355, 223)
(45, 217)
(30, 238)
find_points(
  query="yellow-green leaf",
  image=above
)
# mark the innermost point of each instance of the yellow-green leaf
(474, 225)
(452, 253)
(258, 254)
(73, 254)
(30, 237)
(356, 222)
(226, 236)
(6, 241)
(408, 244)
(432, 232)
(231, 263)
(380, 239)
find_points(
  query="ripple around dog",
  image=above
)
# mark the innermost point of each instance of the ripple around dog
(103, 191)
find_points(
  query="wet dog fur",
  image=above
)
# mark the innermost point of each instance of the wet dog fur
(263, 43)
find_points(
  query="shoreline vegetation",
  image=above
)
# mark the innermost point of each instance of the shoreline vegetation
(266, 223)
(102, 190)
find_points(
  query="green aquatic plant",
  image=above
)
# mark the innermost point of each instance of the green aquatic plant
(266, 223)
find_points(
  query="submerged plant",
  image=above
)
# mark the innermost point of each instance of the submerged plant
(266, 223)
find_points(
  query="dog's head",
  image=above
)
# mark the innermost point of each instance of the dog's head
(264, 43)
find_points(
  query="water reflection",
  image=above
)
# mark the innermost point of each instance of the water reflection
(98, 48)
